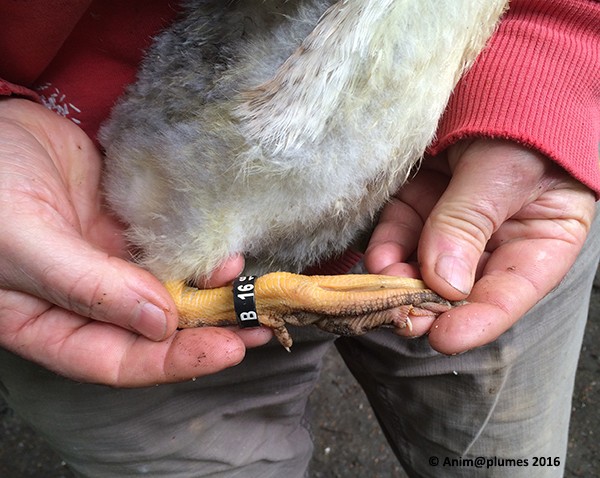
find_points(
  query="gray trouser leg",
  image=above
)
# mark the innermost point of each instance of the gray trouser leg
(508, 400)
(247, 421)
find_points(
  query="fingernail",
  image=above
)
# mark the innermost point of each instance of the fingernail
(455, 272)
(150, 322)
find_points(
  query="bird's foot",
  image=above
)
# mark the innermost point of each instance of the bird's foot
(345, 305)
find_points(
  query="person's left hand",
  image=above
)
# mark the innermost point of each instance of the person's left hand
(491, 222)
(69, 298)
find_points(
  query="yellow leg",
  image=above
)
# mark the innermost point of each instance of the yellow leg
(347, 304)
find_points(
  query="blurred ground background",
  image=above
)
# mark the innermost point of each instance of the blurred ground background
(348, 442)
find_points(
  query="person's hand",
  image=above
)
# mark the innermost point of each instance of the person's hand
(492, 222)
(69, 299)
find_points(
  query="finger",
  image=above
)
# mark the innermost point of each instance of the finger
(253, 336)
(395, 237)
(502, 296)
(226, 273)
(419, 327)
(65, 270)
(92, 351)
(491, 181)
(401, 269)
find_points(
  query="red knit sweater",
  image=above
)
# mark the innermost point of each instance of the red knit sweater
(537, 83)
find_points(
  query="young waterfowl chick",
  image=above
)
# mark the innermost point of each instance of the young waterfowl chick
(277, 129)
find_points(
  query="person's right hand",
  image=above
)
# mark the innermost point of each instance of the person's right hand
(491, 221)
(69, 299)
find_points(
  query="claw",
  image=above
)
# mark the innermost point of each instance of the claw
(346, 304)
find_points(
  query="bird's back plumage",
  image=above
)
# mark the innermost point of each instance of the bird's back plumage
(277, 129)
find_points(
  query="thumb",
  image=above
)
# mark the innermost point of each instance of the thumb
(491, 181)
(63, 269)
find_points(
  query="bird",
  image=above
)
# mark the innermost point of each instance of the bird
(278, 129)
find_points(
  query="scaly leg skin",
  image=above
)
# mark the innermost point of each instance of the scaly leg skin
(345, 305)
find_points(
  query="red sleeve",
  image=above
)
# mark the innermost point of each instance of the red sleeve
(32, 32)
(30, 35)
(537, 83)
(76, 58)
